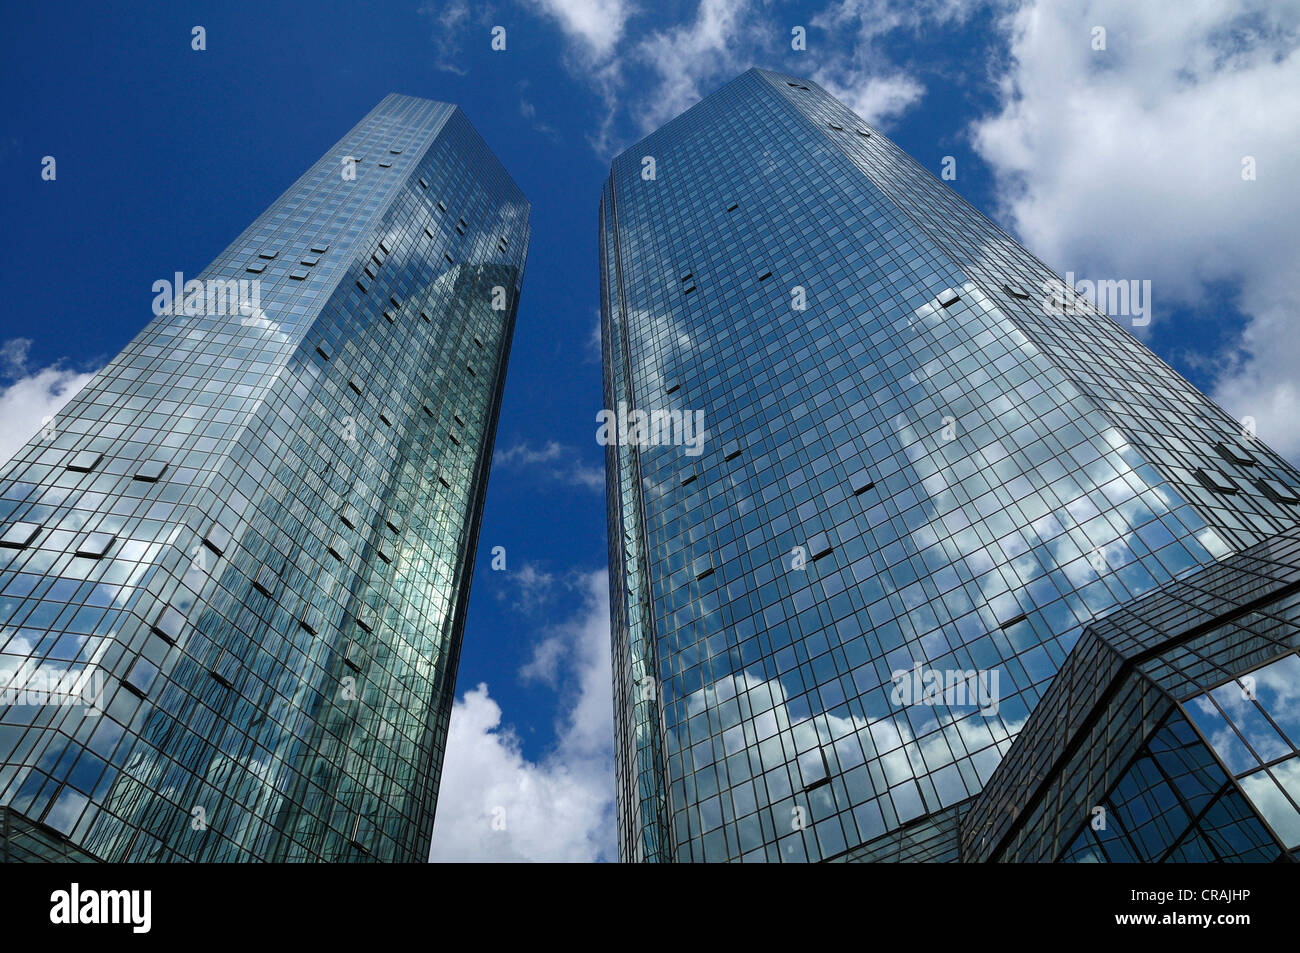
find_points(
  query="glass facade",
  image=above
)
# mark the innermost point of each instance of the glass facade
(253, 531)
(1170, 734)
(910, 467)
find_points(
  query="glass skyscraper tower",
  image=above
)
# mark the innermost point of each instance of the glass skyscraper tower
(250, 537)
(926, 475)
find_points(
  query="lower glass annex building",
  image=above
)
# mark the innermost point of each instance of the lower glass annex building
(253, 531)
(916, 474)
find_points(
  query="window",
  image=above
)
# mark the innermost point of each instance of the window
(1234, 454)
(170, 624)
(267, 254)
(733, 206)
(323, 350)
(673, 387)
(731, 450)
(424, 183)
(256, 267)
(298, 274)
(366, 618)
(266, 580)
(948, 298)
(703, 566)
(1279, 491)
(309, 260)
(836, 126)
(85, 461)
(863, 133)
(355, 385)
(95, 545)
(819, 546)
(20, 535)
(353, 656)
(141, 676)
(860, 482)
(150, 471)
(217, 538)
(1214, 480)
(764, 276)
(320, 248)
(1015, 290)
(385, 165)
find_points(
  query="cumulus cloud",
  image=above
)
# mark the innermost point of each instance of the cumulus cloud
(646, 77)
(555, 460)
(29, 397)
(861, 73)
(596, 24)
(1127, 163)
(495, 804)
(529, 587)
(449, 22)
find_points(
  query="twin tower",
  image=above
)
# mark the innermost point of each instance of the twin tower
(951, 568)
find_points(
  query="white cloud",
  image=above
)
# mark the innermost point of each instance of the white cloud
(1126, 163)
(645, 78)
(687, 56)
(524, 454)
(30, 397)
(528, 586)
(557, 461)
(449, 21)
(855, 45)
(560, 807)
(595, 24)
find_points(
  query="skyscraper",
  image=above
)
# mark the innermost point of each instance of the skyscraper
(250, 537)
(929, 467)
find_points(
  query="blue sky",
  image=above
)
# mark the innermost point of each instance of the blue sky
(1123, 163)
